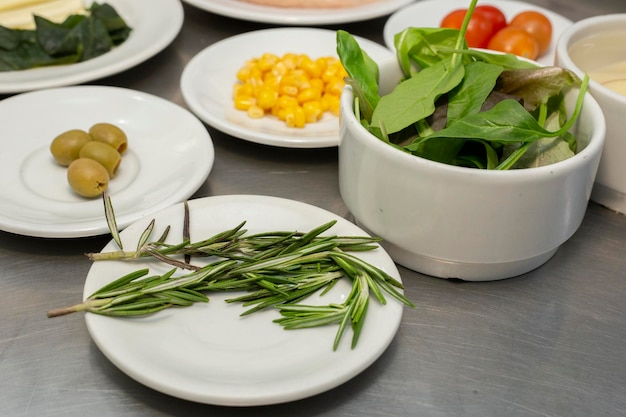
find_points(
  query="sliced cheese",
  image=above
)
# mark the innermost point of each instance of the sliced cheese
(54, 10)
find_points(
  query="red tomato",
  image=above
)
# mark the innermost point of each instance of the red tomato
(537, 24)
(454, 19)
(515, 41)
(479, 30)
(495, 15)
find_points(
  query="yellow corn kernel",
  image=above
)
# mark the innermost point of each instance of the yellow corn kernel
(255, 112)
(267, 61)
(244, 102)
(286, 101)
(289, 59)
(294, 117)
(309, 94)
(312, 111)
(288, 90)
(244, 73)
(243, 90)
(324, 104)
(317, 83)
(310, 67)
(322, 63)
(266, 97)
(279, 112)
(334, 86)
(333, 103)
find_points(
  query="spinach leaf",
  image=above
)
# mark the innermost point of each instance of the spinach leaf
(414, 99)
(507, 121)
(469, 97)
(362, 70)
(508, 61)
(423, 46)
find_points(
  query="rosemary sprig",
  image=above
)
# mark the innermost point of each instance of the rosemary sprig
(272, 269)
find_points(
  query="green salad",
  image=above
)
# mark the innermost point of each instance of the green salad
(463, 106)
(78, 38)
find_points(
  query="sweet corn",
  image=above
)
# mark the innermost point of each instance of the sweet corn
(293, 87)
(295, 117)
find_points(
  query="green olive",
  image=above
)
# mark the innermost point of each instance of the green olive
(87, 177)
(103, 153)
(66, 146)
(111, 134)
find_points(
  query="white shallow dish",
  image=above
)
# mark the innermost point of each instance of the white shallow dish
(429, 13)
(298, 16)
(170, 155)
(206, 353)
(155, 24)
(207, 85)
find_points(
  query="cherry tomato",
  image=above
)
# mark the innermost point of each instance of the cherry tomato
(494, 14)
(479, 29)
(537, 24)
(515, 41)
(454, 19)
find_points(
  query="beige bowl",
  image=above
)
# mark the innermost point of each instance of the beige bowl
(454, 222)
(610, 186)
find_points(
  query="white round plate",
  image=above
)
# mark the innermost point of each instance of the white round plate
(429, 13)
(207, 353)
(208, 79)
(298, 16)
(154, 23)
(169, 156)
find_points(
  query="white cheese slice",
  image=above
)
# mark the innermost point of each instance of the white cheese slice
(54, 10)
(18, 4)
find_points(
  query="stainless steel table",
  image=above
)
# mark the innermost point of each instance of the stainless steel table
(548, 343)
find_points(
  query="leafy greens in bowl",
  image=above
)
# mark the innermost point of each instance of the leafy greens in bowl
(416, 184)
(463, 106)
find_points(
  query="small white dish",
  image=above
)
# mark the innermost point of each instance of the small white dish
(154, 23)
(207, 353)
(298, 16)
(429, 13)
(169, 156)
(609, 189)
(208, 79)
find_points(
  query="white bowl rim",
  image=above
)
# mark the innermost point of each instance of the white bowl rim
(595, 145)
(562, 48)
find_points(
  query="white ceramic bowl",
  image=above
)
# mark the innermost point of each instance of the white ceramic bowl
(454, 222)
(610, 186)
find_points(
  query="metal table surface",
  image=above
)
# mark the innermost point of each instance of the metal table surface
(548, 343)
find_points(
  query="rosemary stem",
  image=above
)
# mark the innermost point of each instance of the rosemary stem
(84, 306)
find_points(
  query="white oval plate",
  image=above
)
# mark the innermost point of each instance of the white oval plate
(298, 16)
(206, 353)
(170, 154)
(155, 24)
(429, 13)
(207, 85)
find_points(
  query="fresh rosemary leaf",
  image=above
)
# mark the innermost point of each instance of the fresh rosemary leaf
(121, 281)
